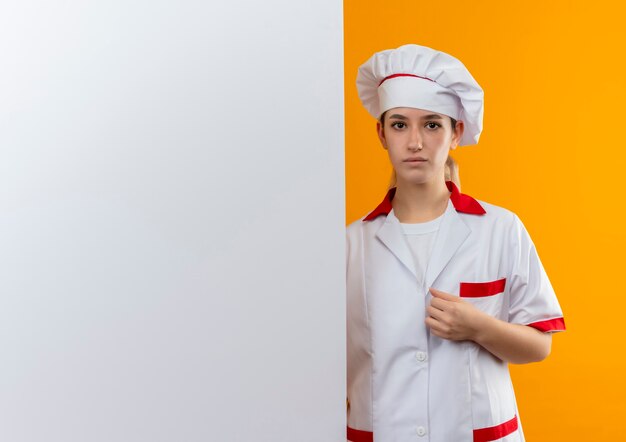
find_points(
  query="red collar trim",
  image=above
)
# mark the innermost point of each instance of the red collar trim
(461, 202)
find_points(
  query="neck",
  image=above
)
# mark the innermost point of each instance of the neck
(418, 203)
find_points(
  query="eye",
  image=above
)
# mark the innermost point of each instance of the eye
(432, 125)
(398, 125)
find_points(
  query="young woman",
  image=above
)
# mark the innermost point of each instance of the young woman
(443, 290)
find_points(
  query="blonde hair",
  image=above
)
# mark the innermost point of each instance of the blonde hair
(451, 173)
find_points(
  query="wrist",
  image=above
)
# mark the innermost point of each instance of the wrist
(485, 327)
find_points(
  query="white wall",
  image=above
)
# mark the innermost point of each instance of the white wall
(171, 221)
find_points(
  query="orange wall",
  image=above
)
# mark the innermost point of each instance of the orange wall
(553, 151)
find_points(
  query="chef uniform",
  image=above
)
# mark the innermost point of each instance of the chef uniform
(404, 383)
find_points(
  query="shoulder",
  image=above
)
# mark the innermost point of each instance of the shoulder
(496, 222)
(498, 213)
(478, 212)
(355, 228)
(492, 213)
(364, 228)
(499, 223)
(355, 225)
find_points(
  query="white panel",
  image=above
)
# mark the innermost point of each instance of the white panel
(171, 221)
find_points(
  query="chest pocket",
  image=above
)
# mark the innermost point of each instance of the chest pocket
(482, 289)
(488, 296)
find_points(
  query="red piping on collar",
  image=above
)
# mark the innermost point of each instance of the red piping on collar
(461, 202)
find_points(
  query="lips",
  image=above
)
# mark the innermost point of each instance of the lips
(415, 160)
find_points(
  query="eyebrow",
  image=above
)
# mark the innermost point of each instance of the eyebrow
(425, 117)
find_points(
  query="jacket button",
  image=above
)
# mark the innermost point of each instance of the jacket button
(421, 356)
(421, 431)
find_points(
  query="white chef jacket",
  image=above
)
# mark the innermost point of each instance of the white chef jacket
(406, 384)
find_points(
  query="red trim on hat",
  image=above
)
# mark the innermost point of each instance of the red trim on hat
(360, 435)
(556, 324)
(461, 202)
(481, 289)
(496, 432)
(403, 75)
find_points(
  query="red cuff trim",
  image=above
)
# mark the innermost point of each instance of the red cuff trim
(556, 324)
(360, 435)
(481, 289)
(497, 432)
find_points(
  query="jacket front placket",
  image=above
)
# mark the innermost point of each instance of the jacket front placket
(451, 235)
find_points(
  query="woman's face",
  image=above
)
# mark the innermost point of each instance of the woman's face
(405, 130)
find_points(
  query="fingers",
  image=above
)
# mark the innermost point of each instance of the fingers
(436, 313)
(437, 328)
(443, 314)
(439, 303)
(437, 321)
(432, 323)
(443, 295)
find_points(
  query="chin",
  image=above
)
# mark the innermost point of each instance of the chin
(419, 181)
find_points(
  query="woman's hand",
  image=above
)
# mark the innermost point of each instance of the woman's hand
(452, 318)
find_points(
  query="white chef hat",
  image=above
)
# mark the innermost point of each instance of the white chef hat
(423, 78)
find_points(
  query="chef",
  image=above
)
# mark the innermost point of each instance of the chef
(443, 290)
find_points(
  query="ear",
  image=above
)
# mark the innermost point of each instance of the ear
(458, 134)
(381, 134)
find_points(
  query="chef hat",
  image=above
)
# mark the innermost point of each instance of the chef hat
(423, 78)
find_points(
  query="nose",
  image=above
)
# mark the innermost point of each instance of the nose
(415, 140)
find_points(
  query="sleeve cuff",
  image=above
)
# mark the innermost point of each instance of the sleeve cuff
(550, 325)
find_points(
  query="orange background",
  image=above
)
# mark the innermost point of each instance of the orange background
(553, 151)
